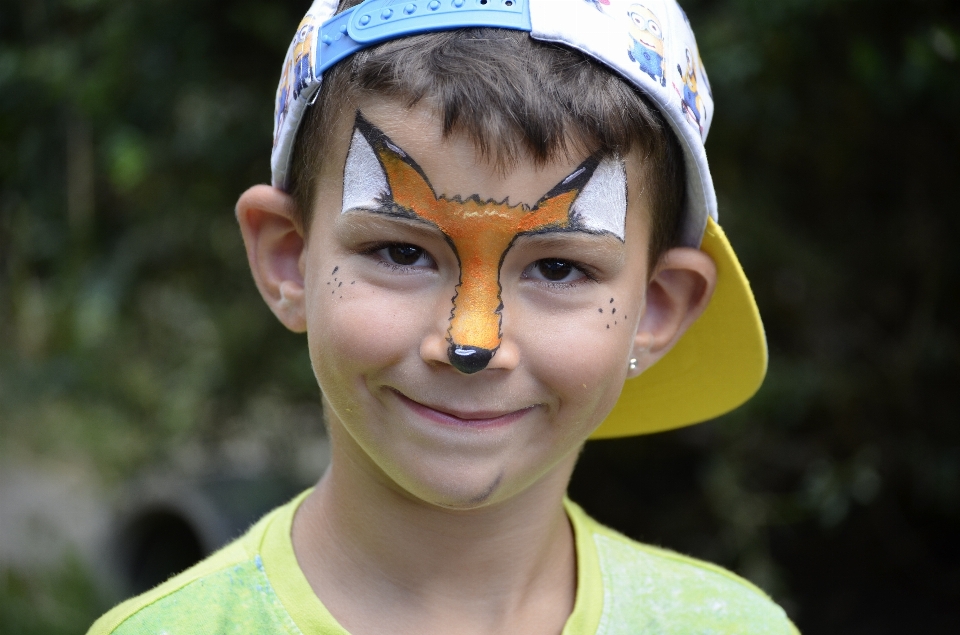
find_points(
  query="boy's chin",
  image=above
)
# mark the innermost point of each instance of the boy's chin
(463, 489)
(467, 487)
(460, 498)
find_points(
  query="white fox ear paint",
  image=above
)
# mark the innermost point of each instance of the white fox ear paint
(602, 204)
(364, 180)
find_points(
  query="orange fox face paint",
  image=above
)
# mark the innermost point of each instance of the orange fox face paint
(380, 177)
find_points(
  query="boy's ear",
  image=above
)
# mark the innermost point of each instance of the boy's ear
(274, 245)
(677, 294)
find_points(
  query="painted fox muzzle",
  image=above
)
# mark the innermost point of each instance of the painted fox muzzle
(382, 178)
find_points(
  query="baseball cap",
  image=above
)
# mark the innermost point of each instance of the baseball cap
(721, 360)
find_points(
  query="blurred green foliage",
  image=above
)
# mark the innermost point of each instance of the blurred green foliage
(127, 316)
(58, 602)
(129, 325)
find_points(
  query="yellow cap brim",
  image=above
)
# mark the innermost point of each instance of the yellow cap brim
(716, 366)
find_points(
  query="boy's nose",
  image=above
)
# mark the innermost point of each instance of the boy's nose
(469, 359)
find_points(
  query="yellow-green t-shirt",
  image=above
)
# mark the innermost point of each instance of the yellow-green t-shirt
(254, 586)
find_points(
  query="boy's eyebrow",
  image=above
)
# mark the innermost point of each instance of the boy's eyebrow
(384, 217)
(379, 207)
(583, 240)
(549, 235)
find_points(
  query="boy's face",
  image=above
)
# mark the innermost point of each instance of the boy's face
(469, 327)
(383, 291)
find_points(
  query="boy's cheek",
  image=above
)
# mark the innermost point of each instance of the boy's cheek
(353, 323)
(584, 362)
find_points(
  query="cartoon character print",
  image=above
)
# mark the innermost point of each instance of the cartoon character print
(303, 70)
(703, 76)
(379, 177)
(297, 69)
(646, 34)
(645, 45)
(690, 100)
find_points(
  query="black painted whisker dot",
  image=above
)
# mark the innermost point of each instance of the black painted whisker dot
(614, 310)
(608, 326)
(611, 300)
(335, 269)
(601, 310)
(339, 285)
(354, 282)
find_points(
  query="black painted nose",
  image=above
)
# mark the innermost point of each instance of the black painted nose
(469, 359)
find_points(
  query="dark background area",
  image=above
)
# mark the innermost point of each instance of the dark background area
(130, 328)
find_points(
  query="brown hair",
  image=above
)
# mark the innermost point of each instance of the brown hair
(515, 98)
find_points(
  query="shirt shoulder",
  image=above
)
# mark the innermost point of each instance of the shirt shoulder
(228, 592)
(651, 590)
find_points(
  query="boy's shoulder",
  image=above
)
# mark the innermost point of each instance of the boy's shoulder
(227, 592)
(649, 589)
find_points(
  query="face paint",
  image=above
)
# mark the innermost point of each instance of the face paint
(380, 177)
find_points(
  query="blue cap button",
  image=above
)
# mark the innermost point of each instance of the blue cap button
(410, 8)
(387, 13)
(364, 20)
(458, 3)
(434, 5)
(326, 39)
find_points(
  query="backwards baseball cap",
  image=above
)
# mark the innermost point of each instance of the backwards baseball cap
(721, 360)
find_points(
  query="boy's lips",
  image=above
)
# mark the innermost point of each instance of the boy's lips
(453, 416)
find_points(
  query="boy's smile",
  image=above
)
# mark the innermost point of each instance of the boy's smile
(379, 279)
(444, 414)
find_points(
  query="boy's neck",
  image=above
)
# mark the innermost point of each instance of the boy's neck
(382, 561)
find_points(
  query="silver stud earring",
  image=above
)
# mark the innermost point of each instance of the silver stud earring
(633, 363)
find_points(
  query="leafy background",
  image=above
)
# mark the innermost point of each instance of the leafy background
(131, 335)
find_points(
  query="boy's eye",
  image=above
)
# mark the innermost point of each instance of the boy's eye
(555, 270)
(405, 256)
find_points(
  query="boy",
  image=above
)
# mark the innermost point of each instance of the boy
(486, 217)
